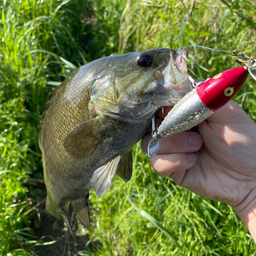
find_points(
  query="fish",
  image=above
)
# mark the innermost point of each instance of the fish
(199, 104)
(96, 116)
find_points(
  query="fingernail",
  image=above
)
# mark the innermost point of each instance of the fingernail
(195, 139)
(191, 157)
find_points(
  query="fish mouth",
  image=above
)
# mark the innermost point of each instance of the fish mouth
(178, 71)
(175, 79)
(180, 59)
(175, 70)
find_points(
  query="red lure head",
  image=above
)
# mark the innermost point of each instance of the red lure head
(218, 90)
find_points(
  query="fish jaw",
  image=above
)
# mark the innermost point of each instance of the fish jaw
(176, 82)
(179, 65)
(175, 72)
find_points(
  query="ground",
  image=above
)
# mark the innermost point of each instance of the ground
(60, 240)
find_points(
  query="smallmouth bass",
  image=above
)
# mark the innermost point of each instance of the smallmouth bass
(96, 116)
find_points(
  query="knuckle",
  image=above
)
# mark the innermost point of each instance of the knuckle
(169, 163)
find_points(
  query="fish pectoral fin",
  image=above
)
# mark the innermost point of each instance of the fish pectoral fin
(90, 136)
(124, 169)
(81, 209)
(103, 176)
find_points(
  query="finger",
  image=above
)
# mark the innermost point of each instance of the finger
(167, 164)
(230, 113)
(183, 142)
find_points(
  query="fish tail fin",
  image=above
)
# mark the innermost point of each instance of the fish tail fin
(81, 209)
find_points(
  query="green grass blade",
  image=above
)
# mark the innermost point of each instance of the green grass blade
(156, 223)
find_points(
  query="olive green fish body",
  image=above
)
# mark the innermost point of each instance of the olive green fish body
(96, 116)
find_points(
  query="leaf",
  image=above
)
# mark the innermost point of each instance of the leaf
(159, 226)
(53, 83)
(3, 19)
(183, 24)
(69, 64)
(155, 222)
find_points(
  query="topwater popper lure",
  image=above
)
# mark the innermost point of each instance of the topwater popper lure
(201, 102)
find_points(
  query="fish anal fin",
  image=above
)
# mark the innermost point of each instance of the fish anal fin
(124, 169)
(81, 209)
(103, 176)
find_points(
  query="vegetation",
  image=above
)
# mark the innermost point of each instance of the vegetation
(41, 43)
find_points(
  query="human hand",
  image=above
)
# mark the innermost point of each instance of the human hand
(223, 165)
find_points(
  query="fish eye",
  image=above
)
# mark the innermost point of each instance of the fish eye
(228, 91)
(145, 60)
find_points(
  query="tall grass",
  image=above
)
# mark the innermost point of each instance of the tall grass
(41, 43)
(33, 36)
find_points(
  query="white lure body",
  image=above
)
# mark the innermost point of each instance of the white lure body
(187, 113)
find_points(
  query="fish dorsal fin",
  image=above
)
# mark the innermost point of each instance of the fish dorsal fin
(124, 169)
(80, 207)
(88, 137)
(103, 176)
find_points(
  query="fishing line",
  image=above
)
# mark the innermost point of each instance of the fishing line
(211, 49)
(251, 68)
(197, 83)
(207, 48)
(192, 72)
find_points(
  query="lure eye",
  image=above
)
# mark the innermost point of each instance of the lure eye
(145, 60)
(228, 91)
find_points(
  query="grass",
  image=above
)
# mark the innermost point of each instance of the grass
(41, 43)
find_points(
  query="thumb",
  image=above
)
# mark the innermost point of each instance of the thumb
(230, 113)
